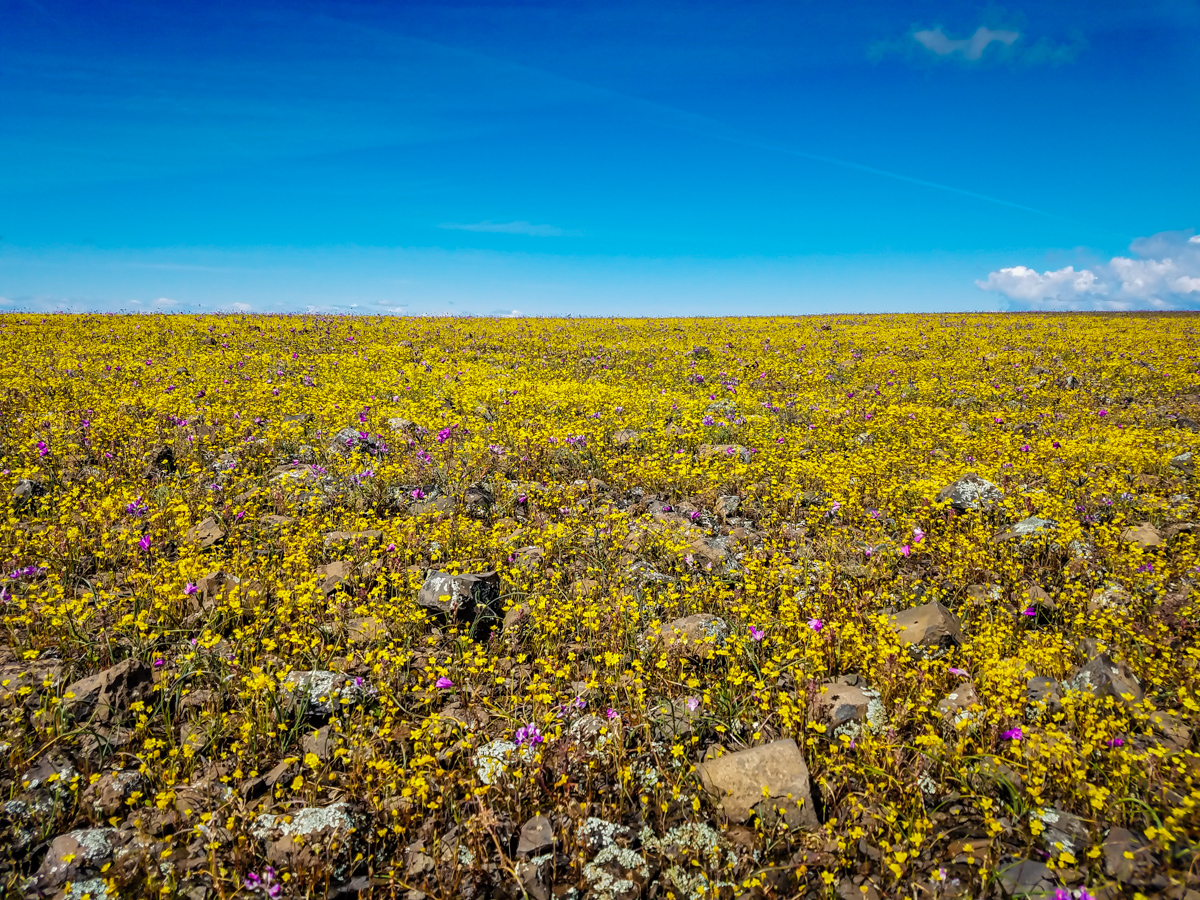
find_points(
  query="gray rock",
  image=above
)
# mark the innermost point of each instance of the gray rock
(351, 440)
(1102, 677)
(537, 836)
(108, 796)
(73, 857)
(1062, 830)
(698, 636)
(970, 492)
(320, 692)
(1025, 878)
(27, 492)
(467, 599)
(205, 534)
(1028, 526)
(1041, 689)
(105, 695)
(316, 838)
(1184, 462)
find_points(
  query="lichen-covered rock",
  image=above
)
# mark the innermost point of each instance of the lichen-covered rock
(320, 692)
(1103, 677)
(110, 795)
(970, 492)
(73, 857)
(470, 598)
(105, 695)
(847, 704)
(324, 838)
(699, 636)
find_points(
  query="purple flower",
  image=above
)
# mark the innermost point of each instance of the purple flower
(159, 663)
(267, 883)
(954, 671)
(918, 535)
(443, 683)
(1029, 611)
(443, 435)
(418, 494)
(1013, 734)
(137, 508)
(816, 624)
(707, 420)
(528, 734)
(611, 713)
(1116, 742)
(144, 543)
(693, 703)
(905, 550)
(757, 633)
(190, 588)
(42, 449)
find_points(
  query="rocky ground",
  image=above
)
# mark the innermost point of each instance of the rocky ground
(841, 607)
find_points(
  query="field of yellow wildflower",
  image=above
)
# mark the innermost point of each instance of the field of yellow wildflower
(888, 606)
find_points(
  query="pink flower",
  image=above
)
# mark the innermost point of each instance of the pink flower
(1029, 611)
(816, 624)
(444, 683)
(757, 633)
(144, 543)
(918, 535)
(611, 713)
(1013, 734)
(905, 550)
(954, 671)
(189, 589)
(42, 448)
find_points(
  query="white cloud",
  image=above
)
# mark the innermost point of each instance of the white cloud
(242, 307)
(1162, 273)
(936, 41)
(165, 302)
(519, 227)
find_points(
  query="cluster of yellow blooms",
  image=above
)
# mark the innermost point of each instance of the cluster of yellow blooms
(249, 508)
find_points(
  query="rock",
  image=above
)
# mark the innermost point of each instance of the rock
(534, 874)
(478, 500)
(27, 492)
(316, 838)
(369, 536)
(728, 505)
(726, 451)
(1025, 878)
(774, 775)
(366, 630)
(1026, 527)
(515, 619)
(1127, 858)
(109, 796)
(698, 636)
(1062, 831)
(105, 695)
(955, 707)
(1111, 596)
(333, 576)
(846, 701)
(929, 625)
(205, 534)
(396, 423)
(1040, 599)
(1184, 462)
(350, 440)
(321, 743)
(1171, 730)
(1041, 689)
(625, 437)
(537, 836)
(985, 594)
(1144, 536)
(162, 461)
(320, 692)
(995, 771)
(73, 857)
(467, 599)
(970, 492)
(1102, 677)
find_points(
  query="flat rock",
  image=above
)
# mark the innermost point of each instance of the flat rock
(1041, 689)
(955, 707)
(970, 492)
(366, 630)
(844, 701)
(333, 576)
(1144, 536)
(205, 534)
(1030, 525)
(537, 836)
(315, 838)
(724, 451)
(774, 775)
(928, 625)
(1025, 878)
(73, 857)
(1127, 858)
(1062, 830)
(698, 636)
(105, 695)
(319, 692)
(321, 743)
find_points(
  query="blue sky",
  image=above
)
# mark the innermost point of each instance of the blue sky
(606, 158)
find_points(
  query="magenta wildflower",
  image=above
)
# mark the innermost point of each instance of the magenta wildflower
(611, 713)
(757, 633)
(42, 449)
(418, 494)
(443, 683)
(144, 543)
(956, 671)
(189, 589)
(1013, 734)
(1029, 611)
(528, 734)
(816, 624)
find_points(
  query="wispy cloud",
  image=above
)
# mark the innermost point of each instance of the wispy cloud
(936, 41)
(1006, 44)
(518, 227)
(1162, 273)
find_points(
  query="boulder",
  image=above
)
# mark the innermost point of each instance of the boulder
(105, 695)
(537, 836)
(1144, 536)
(1062, 830)
(761, 779)
(321, 743)
(1026, 878)
(1041, 689)
(333, 576)
(73, 857)
(674, 719)
(366, 630)
(319, 692)
(478, 500)
(1030, 525)
(698, 636)
(27, 492)
(844, 701)
(1127, 858)
(970, 492)
(727, 505)
(955, 707)
(468, 598)
(1102, 677)
(1184, 462)
(316, 838)
(351, 440)
(205, 534)
(929, 625)
(625, 437)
